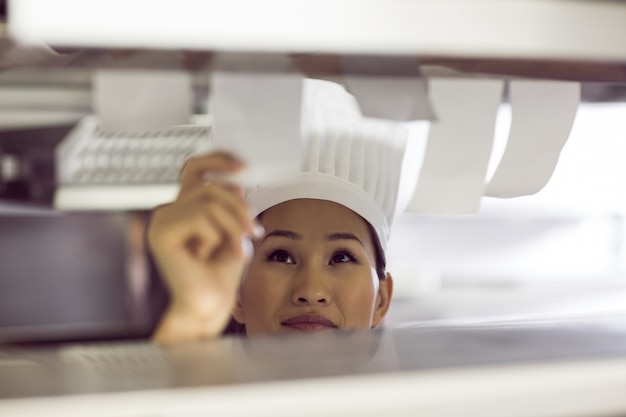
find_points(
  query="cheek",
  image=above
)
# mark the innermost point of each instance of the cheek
(364, 284)
(357, 302)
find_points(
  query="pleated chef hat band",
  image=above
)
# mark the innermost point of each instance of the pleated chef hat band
(346, 158)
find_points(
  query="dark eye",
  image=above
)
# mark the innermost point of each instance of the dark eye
(281, 256)
(342, 257)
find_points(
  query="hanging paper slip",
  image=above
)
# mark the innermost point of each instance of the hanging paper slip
(452, 177)
(136, 100)
(257, 117)
(402, 97)
(543, 114)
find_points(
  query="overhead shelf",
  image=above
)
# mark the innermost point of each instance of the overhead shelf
(510, 29)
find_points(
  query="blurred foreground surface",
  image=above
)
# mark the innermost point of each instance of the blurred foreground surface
(546, 365)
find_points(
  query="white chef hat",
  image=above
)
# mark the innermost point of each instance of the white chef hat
(346, 158)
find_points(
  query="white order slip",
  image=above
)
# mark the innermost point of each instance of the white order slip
(460, 141)
(543, 113)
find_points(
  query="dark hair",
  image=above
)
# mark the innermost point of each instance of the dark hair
(379, 253)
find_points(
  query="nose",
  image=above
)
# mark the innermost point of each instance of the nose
(311, 288)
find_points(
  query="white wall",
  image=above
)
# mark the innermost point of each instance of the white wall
(571, 230)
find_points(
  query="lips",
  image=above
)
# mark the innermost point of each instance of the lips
(309, 322)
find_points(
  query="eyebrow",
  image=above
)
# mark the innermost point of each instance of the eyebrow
(296, 236)
(343, 236)
(283, 233)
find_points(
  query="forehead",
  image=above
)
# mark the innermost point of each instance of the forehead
(309, 216)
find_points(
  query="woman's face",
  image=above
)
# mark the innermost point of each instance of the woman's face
(313, 270)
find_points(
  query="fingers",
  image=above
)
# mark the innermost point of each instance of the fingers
(197, 168)
(230, 230)
(212, 234)
(229, 197)
(207, 223)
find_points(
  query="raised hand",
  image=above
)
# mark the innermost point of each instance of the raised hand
(198, 242)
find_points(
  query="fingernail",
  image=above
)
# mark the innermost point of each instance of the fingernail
(259, 231)
(247, 247)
